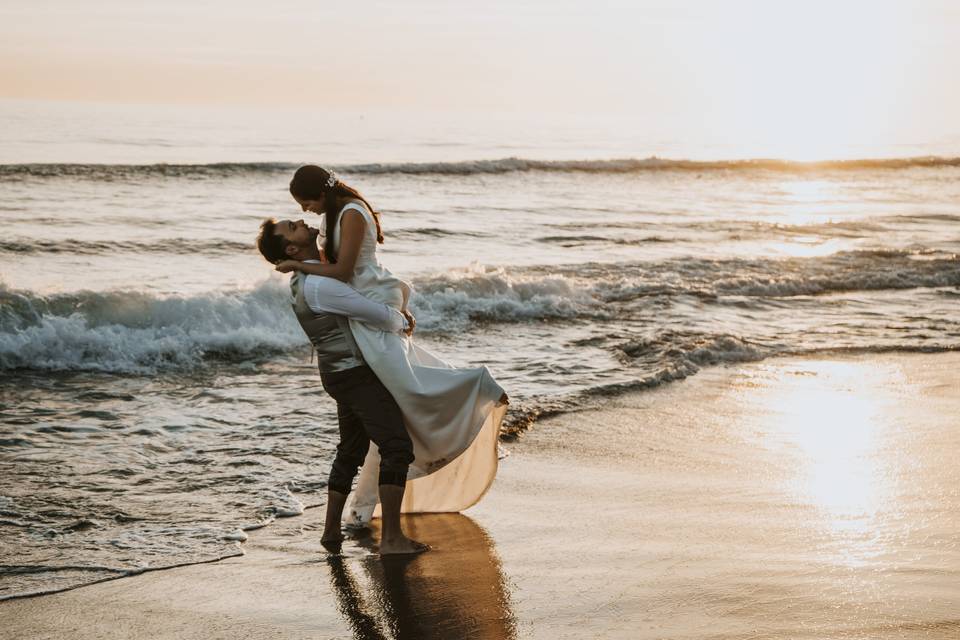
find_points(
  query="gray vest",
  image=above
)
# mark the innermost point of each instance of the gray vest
(329, 333)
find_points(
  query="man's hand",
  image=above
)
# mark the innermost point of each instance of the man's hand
(411, 322)
(286, 266)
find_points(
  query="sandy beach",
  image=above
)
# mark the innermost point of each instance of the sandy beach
(792, 498)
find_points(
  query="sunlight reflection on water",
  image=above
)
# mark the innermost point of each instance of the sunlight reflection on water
(840, 452)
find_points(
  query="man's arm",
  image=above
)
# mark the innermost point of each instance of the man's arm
(328, 295)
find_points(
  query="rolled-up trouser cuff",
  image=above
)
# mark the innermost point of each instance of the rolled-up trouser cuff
(395, 478)
(339, 488)
(344, 470)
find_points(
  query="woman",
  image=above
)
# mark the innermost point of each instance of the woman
(453, 415)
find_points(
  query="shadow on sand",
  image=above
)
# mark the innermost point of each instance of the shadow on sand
(457, 590)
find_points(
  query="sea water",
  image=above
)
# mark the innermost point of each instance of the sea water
(157, 397)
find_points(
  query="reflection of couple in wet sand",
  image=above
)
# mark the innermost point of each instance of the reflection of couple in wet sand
(419, 597)
(433, 427)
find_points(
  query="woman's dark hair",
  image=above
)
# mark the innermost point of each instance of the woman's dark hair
(310, 183)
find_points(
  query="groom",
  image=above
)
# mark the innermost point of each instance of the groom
(365, 409)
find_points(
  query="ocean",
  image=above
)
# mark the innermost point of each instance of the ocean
(157, 398)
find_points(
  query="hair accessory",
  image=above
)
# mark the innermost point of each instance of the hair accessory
(332, 180)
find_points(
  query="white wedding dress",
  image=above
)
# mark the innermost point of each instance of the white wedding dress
(452, 415)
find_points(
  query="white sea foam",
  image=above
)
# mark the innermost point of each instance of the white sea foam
(139, 333)
(690, 350)
(238, 535)
(452, 301)
(772, 278)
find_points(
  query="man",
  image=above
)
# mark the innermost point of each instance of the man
(365, 409)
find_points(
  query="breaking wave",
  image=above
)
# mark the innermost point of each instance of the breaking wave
(139, 332)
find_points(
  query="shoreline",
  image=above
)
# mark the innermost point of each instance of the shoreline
(796, 497)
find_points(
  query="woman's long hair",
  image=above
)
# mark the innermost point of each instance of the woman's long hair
(310, 183)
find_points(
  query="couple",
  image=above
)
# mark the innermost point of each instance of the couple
(434, 427)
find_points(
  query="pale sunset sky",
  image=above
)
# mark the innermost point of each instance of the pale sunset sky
(850, 68)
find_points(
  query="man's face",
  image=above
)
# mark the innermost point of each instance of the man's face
(297, 235)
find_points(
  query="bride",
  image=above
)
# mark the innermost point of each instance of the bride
(453, 415)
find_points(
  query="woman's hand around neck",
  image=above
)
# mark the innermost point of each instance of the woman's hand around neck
(352, 227)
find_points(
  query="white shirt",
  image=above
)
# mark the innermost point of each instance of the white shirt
(329, 295)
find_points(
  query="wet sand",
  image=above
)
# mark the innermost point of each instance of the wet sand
(793, 498)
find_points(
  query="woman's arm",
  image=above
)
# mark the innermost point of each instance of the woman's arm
(352, 227)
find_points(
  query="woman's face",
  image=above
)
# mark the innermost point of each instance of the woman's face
(316, 206)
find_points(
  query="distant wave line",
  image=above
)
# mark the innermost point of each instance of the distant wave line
(474, 167)
(172, 246)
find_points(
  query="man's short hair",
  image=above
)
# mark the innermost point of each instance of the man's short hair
(272, 246)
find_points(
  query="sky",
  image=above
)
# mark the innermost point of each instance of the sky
(843, 68)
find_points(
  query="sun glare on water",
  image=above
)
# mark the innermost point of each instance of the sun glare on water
(829, 424)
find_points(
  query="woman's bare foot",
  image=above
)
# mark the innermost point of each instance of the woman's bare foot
(401, 545)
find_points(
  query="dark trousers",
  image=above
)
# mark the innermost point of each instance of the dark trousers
(366, 411)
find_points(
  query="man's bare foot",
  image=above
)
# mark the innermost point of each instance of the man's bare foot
(401, 545)
(332, 543)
